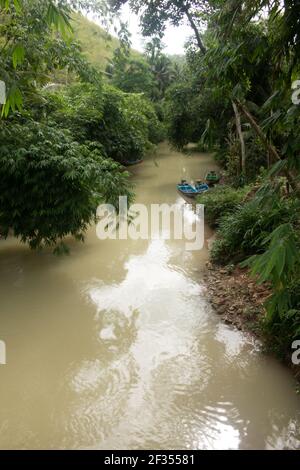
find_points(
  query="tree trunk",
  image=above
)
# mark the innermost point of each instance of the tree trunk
(268, 145)
(197, 34)
(241, 137)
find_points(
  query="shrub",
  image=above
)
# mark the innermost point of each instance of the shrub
(241, 232)
(284, 327)
(220, 201)
(50, 184)
(143, 118)
(234, 236)
(279, 266)
(267, 227)
(124, 124)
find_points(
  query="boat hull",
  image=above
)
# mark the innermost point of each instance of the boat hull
(191, 192)
(188, 194)
(136, 162)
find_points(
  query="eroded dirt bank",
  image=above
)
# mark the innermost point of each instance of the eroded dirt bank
(239, 301)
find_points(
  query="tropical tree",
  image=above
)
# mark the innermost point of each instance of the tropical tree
(131, 75)
(237, 89)
(161, 66)
(31, 51)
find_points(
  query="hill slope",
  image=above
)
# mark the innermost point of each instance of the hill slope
(97, 45)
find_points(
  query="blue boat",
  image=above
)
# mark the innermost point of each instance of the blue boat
(187, 189)
(192, 191)
(201, 187)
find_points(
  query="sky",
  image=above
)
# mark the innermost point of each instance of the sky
(174, 39)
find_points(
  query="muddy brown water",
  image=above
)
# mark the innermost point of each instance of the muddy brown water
(116, 347)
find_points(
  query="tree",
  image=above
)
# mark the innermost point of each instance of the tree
(235, 49)
(30, 51)
(132, 75)
(51, 185)
(59, 146)
(161, 66)
(155, 15)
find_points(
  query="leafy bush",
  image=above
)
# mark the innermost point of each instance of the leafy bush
(124, 124)
(241, 233)
(220, 201)
(279, 265)
(267, 227)
(133, 77)
(221, 156)
(142, 115)
(284, 328)
(182, 115)
(234, 236)
(56, 168)
(228, 157)
(50, 184)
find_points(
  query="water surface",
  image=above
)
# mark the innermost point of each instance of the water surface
(116, 347)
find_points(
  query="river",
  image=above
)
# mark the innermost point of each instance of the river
(116, 347)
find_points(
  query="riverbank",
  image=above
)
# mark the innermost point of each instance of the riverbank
(240, 302)
(236, 297)
(116, 346)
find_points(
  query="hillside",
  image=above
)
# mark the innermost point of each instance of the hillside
(96, 44)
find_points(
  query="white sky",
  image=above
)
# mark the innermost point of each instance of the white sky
(174, 39)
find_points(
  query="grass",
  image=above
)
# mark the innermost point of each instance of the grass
(97, 45)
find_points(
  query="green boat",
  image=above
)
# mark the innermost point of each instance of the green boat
(212, 177)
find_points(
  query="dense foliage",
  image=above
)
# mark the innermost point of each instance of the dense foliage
(151, 74)
(61, 144)
(234, 95)
(264, 226)
(125, 125)
(50, 184)
(221, 201)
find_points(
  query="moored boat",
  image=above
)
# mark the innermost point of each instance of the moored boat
(132, 162)
(212, 177)
(201, 187)
(191, 191)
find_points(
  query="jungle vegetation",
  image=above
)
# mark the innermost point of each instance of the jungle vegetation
(238, 95)
(235, 93)
(65, 132)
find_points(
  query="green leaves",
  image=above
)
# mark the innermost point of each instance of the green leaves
(278, 167)
(17, 5)
(14, 101)
(276, 265)
(57, 13)
(7, 4)
(51, 185)
(125, 125)
(31, 52)
(59, 17)
(18, 55)
(220, 201)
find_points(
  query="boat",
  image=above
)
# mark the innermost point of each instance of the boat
(187, 189)
(192, 191)
(132, 162)
(212, 177)
(201, 187)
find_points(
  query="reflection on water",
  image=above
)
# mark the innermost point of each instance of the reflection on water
(116, 347)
